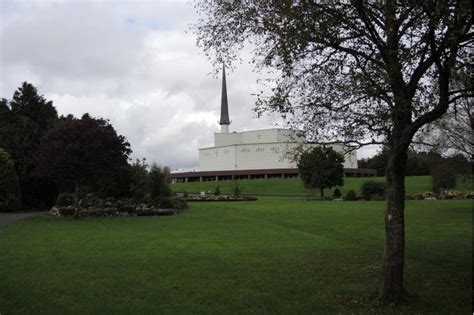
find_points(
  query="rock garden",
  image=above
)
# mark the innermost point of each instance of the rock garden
(217, 195)
(70, 205)
(211, 197)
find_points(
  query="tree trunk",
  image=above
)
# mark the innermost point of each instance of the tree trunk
(322, 193)
(392, 290)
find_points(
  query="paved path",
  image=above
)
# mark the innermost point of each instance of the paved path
(7, 218)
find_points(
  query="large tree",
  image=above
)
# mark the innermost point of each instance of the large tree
(10, 198)
(356, 72)
(320, 168)
(85, 152)
(27, 102)
(23, 121)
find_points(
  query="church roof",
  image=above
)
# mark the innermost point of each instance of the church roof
(224, 106)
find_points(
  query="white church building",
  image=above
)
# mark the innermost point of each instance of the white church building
(258, 149)
(263, 153)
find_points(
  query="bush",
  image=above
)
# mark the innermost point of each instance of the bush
(337, 193)
(442, 177)
(452, 194)
(217, 191)
(126, 208)
(179, 203)
(172, 203)
(469, 195)
(417, 196)
(83, 191)
(66, 199)
(373, 189)
(378, 198)
(237, 191)
(158, 184)
(351, 195)
(139, 179)
(165, 203)
(66, 211)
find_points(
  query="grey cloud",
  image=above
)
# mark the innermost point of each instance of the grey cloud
(75, 40)
(132, 63)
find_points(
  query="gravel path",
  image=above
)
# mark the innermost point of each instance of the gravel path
(7, 218)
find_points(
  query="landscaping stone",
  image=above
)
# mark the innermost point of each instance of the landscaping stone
(88, 206)
(195, 197)
(54, 212)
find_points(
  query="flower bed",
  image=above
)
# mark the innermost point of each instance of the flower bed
(96, 207)
(451, 194)
(195, 197)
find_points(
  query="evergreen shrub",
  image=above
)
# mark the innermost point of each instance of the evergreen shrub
(66, 199)
(10, 196)
(443, 177)
(337, 193)
(351, 195)
(373, 190)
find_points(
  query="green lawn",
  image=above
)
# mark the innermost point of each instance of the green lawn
(294, 187)
(274, 255)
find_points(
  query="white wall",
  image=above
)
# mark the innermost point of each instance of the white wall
(217, 159)
(286, 135)
(257, 136)
(245, 157)
(260, 136)
(262, 156)
(221, 139)
(259, 149)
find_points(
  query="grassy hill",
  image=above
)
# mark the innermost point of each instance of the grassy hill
(294, 187)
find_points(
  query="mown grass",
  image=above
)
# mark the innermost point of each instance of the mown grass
(294, 187)
(274, 255)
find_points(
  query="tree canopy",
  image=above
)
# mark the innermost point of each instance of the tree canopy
(27, 102)
(84, 152)
(148, 181)
(320, 168)
(418, 163)
(157, 182)
(23, 121)
(347, 71)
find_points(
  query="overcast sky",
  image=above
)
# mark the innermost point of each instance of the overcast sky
(133, 62)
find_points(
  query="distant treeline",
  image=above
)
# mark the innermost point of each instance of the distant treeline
(420, 163)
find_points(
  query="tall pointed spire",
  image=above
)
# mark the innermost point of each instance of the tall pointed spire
(224, 121)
